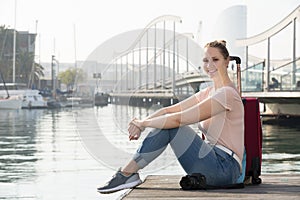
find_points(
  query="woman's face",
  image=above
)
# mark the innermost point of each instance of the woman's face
(214, 62)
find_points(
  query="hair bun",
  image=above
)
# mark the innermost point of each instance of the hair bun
(223, 42)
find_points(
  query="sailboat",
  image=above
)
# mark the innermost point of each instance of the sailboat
(9, 102)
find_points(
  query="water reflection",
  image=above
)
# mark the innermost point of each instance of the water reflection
(105, 136)
(281, 146)
(17, 145)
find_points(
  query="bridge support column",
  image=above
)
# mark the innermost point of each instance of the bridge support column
(267, 74)
(294, 54)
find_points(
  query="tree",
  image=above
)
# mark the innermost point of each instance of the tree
(72, 76)
(28, 71)
(37, 72)
(24, 64)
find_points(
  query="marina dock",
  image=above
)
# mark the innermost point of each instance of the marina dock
(274, 186)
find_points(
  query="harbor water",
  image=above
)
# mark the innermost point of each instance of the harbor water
(66, 153)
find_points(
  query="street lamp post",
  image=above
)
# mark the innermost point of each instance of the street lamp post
(54, 74)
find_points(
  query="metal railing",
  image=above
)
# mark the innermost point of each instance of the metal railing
(287, 75)
(253, 78)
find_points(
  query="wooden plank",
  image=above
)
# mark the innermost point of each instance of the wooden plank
(167, 187)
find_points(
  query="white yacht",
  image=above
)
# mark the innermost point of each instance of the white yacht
(30, 98)
(10, 103)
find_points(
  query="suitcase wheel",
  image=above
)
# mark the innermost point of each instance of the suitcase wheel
(256, 181)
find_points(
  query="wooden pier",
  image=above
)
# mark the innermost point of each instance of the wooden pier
(167, 187)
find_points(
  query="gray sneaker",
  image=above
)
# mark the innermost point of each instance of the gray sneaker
(120, 182)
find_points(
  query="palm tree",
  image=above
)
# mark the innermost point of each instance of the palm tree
(29, 71)
(24, 64)
(37, 72)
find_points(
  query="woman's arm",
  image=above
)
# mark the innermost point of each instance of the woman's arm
(179, 107)
(195, 113)
(174, 108)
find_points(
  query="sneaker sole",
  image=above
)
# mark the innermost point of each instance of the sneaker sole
(121, 187)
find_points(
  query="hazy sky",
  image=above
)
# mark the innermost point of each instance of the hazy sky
(96, 21)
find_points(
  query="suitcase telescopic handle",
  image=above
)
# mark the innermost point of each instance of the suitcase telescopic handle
(236, 59)
(238, 72)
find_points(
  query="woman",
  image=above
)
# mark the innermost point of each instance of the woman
(219, 110)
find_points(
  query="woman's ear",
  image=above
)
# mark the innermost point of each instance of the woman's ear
(227, 62)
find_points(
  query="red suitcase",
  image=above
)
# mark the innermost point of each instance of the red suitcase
(253, 133)
(253, 141)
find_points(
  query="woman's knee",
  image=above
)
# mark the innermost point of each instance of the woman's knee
(183, 140)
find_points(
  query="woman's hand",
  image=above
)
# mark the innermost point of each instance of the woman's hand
(135, 129)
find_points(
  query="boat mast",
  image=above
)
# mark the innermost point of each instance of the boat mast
(75, 51)
(75, 56)
(14, 44)
(4, 84)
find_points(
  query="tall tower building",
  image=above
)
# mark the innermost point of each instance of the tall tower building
(231, 25)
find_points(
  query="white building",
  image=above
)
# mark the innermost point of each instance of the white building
(231, 25)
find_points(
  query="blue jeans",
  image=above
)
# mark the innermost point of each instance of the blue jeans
(193, 154)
